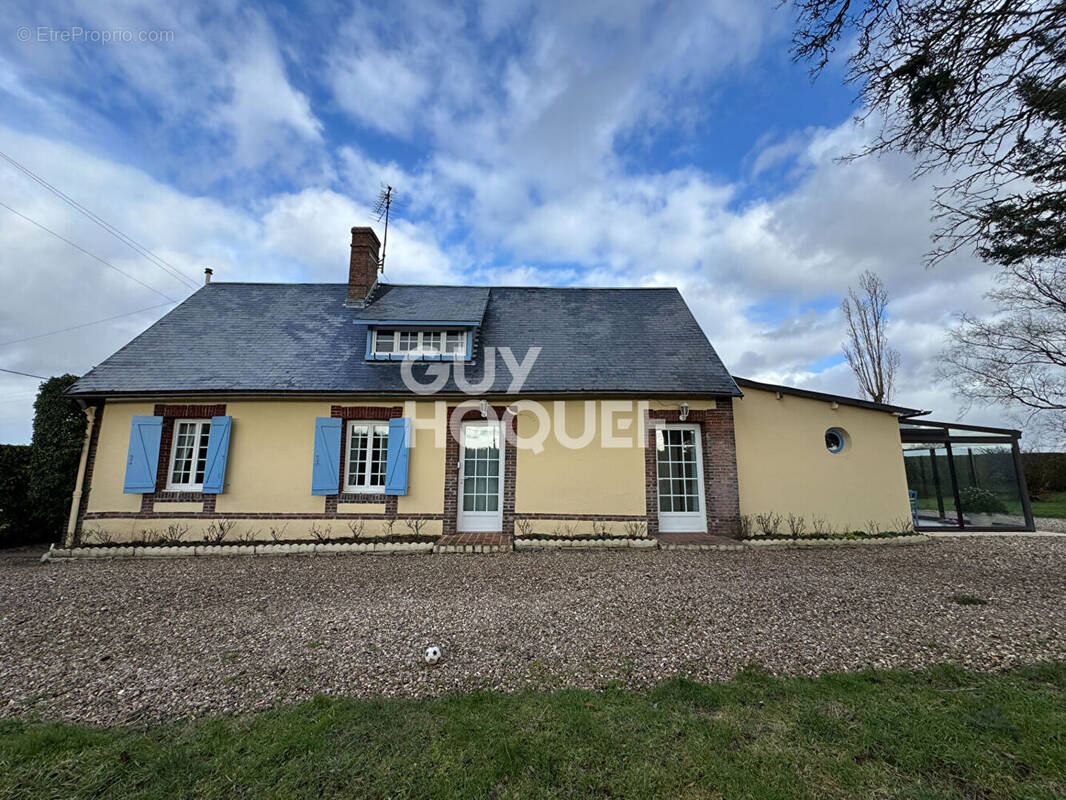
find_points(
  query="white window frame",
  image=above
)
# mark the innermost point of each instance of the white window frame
(365, 487)
(683, 521)
(419, 351)
(186, 487)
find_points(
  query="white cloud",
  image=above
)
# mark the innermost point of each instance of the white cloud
(264, 112)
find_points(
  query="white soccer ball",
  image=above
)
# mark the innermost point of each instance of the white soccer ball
(432, 655)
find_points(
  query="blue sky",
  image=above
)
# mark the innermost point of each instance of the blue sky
(548, 143)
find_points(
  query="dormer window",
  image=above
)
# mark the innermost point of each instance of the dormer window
(399, 344)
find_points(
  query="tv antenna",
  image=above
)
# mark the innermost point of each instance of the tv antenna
(381, 208)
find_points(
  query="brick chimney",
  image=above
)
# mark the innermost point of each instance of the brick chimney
(363, 267)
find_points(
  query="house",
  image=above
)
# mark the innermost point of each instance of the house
(286, 411)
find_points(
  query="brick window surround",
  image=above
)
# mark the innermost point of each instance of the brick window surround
(170, 413)
(349, 414)
(451, 469)
(718, 442)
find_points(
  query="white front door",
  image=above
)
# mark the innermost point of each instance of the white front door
(679, 464)
(481, 446)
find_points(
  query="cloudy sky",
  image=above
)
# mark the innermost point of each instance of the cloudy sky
(553, 143)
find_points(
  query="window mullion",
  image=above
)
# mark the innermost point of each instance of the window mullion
(367, 457)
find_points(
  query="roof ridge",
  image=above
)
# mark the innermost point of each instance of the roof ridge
(454, 286)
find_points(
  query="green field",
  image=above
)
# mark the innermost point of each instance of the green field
(939, 733)
(1053, 505)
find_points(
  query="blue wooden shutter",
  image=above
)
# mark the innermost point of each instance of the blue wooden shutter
(325, 473)
(217, 451)
(399, 447)
(143, 457)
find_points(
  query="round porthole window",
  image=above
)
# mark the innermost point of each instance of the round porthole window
(835, 439)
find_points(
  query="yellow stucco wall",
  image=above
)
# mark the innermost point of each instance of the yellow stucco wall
(783, 465)
(592, 479)
(109, 471)
(272, 446)
(271, 449)
(425, 471)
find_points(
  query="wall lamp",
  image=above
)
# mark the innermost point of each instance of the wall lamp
(684, 411)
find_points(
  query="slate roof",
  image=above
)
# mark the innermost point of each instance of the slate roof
(414, 303)
(254, 337)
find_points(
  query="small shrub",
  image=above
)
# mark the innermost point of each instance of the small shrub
(415, 525)
(97, 536)
(564, 529)
(148, 536)
(321, 534)
(873, 528)
(387, 527)
(969, 600)
(174, 533)
(635, 529)
(218, 530)
(976, 500)
(249, 536)
(525, 527)
(601, 530)
(356, 526)
(769, 524)
(796, 526)
(821, 526)
(903, 525)
(276, 533)
(744, 526)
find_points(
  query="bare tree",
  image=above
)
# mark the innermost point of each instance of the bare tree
(1019, 354)
(871, 359)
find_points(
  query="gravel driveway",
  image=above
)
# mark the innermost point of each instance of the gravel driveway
(148, 640)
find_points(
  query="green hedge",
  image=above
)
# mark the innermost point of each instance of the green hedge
(37, 480)
(15, 518)
(55, 453)
(1045, 472)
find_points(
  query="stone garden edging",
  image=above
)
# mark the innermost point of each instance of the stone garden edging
(186, 551)
(520, 544)
(617, 543)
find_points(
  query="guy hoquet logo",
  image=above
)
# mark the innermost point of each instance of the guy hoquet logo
(613, 423)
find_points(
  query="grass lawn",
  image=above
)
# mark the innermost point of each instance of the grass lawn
(939, 733)
(1053, 506)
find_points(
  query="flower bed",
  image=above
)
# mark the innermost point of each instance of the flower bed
(856, 538)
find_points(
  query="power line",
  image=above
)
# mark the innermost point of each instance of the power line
(166, 266)
(27, 374)
(91, 255)
(86, 324)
